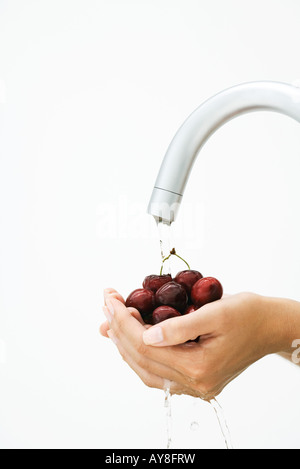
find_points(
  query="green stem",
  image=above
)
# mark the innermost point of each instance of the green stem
(173, 253)
(183, 261)
(162, 265)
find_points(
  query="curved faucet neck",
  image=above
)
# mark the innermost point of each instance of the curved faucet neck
(201, 124)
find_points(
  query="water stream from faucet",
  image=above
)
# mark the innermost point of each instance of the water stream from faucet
(165, 240)
(164, 231)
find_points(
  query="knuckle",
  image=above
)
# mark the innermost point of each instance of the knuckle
(140, 361)
(141, 348)
(245, 295)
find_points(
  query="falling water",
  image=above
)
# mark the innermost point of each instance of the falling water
(195, 424)
(167, 405)
(222, 422)
(164, 230)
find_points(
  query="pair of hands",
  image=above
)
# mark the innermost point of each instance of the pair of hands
(234, 332)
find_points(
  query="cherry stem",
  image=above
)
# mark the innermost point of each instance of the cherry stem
(172, 253)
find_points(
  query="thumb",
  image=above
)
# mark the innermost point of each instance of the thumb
(180, 329)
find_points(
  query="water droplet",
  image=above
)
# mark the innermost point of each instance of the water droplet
(194, 426)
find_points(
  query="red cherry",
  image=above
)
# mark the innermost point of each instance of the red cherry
(172, 294)
(144, 301)
(164, 312)
(190, 309)
(154, 282)
(187, 278)
(205, 291)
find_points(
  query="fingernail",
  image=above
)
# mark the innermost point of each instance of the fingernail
(112, 336)
(110, 307)
(153, 335)
(107, 314)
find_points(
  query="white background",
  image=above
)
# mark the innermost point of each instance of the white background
(91, 94)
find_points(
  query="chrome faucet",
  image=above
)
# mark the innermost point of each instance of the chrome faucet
(201, 124)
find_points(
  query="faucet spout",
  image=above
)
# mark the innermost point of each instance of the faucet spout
(201, 124)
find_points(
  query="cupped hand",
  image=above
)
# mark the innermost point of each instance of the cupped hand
(234, 332)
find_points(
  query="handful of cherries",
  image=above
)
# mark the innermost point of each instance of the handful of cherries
(163, 297)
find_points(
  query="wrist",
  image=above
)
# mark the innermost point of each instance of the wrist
(283, 323)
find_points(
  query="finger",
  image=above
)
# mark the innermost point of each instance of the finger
(111, 292)
(106, 325)
(168, 362)
(125, 324)
(104, 329)
(136, 314)
(122, 317)
(141, 355)
(180, 329)
(149, 378)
